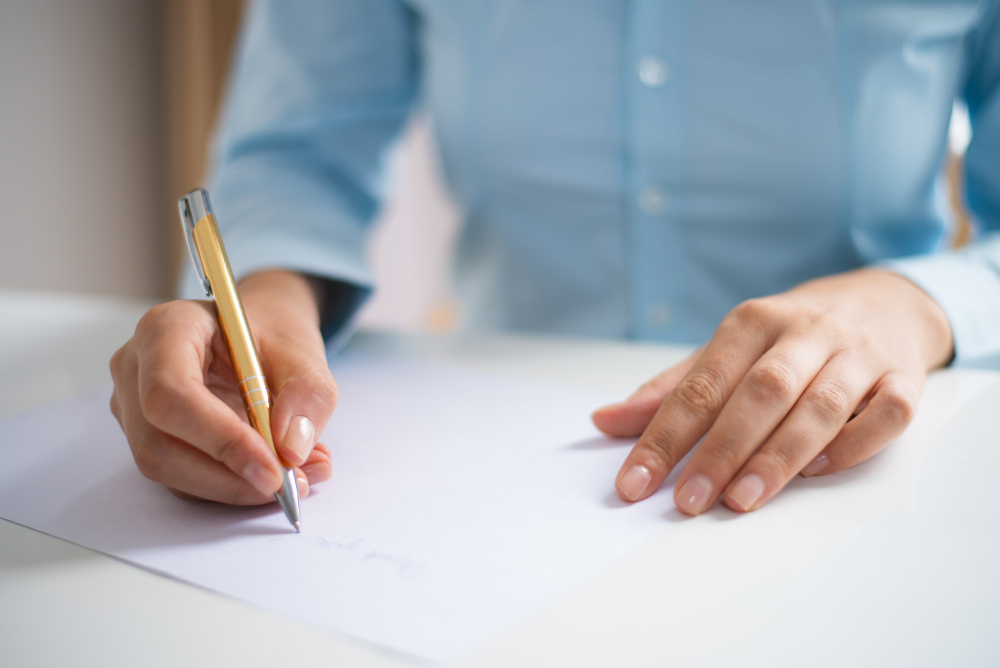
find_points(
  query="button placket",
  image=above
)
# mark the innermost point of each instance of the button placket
(652, 200)
(657, 315)
(653, 71)
(655, 134)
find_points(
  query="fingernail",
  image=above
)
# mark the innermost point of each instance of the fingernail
(313, 471)
(303, 486)
(746, 491)
(634, 482)
(816, 465)
(262, 479)
(695, 494)
(301, 436)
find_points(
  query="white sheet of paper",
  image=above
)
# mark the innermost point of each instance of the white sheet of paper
(458, 503)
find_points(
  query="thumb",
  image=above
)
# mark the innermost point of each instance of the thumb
(304, 392)
(631, 417)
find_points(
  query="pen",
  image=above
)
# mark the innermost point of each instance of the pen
(216, 276)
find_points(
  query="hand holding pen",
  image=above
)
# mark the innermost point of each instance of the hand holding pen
(180, 406)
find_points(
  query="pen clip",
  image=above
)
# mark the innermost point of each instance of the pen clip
(194, 206)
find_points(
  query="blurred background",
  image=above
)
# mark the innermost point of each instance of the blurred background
(107, 110)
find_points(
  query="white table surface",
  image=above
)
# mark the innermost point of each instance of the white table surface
(915, 582)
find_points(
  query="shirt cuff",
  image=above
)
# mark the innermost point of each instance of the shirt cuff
(966, 284)
(278, 213)
(348, 286)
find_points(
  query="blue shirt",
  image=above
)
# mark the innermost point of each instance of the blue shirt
(626, 169)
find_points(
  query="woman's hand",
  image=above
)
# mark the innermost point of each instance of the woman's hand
(177, 401)
(773, 393)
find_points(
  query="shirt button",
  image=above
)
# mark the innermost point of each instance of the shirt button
(653, 71)
(657, 315)
(652, 200)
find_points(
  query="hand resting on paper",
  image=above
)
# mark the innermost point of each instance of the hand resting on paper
(176, 398)
(774, 391)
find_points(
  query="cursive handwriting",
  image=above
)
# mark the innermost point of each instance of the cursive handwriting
(402, 564)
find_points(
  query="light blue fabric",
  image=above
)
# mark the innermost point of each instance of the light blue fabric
(626, 169)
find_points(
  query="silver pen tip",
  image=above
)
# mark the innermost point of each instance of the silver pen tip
(298, 527)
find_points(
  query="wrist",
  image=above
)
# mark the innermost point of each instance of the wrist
(292, 292)
(936, 341)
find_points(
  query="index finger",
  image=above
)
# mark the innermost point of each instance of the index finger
(174, 399)
(691, 408)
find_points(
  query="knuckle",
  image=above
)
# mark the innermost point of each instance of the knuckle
(152, 318)
(162, 318)
(230, 450)
(701, 392)
(148, 461)
(818, 319)
(658, 446)
(773, 380)
(781, 461)
(900, 404)
(116, 362)
(315, 382)
(756, 312)
(727, 455)
(830, 401)
(655, 449)
(325, 388)
(158, 399)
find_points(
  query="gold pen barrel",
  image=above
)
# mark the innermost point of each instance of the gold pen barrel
(236, 330)
(216, 277)
(257, 402)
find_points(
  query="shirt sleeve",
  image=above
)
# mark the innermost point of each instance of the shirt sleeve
(966, 282)
(318, 93)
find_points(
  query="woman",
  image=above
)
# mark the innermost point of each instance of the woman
(636, 169)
